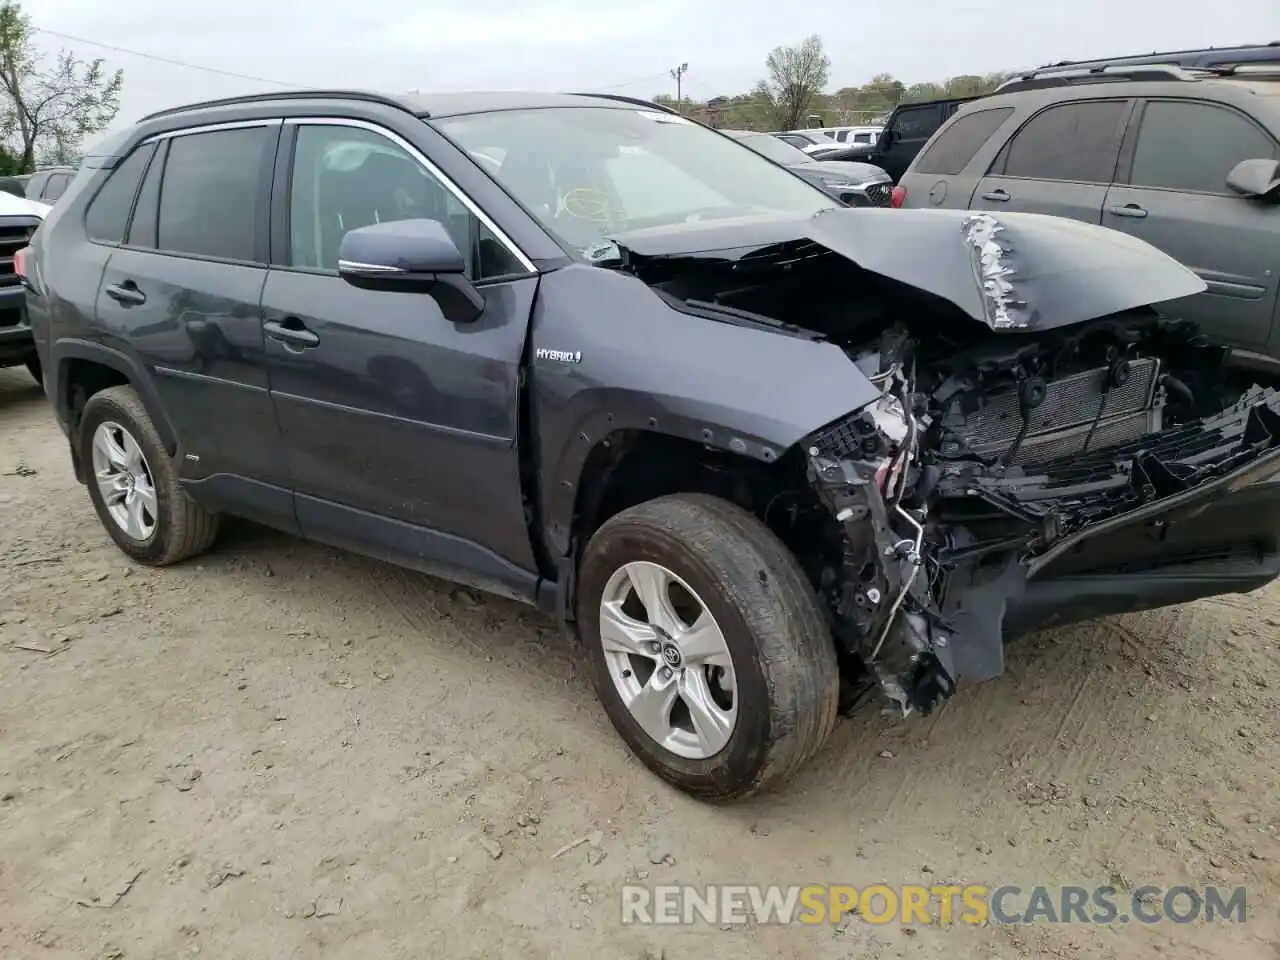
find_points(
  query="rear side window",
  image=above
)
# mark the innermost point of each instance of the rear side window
(950, 152)
(209, 194)
(108, 211)
(1193, 146)
(146, 210)
(56, 186)
(1076, 141)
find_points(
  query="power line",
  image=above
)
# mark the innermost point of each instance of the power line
(632, 83)
(168, 60)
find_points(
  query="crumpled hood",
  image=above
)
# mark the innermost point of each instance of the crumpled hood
(1012, 271)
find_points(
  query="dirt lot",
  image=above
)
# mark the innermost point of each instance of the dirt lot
(283, 751)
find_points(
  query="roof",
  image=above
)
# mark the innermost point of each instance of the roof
(1241, 91)
(434, 105)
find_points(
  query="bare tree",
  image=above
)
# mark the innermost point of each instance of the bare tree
(54, 105)
(797, 75)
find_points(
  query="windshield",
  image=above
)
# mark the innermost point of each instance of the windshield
(767, 145)
(589, 172)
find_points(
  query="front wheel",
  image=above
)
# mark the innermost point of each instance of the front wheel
(34, 368)
(708, 648)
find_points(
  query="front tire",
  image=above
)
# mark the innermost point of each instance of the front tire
(707, 646)
(34, 368)
(134, 486)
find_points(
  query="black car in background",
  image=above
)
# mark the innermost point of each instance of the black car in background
(853, 184)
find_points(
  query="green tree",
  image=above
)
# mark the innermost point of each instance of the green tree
(52, 106)
(797, 77)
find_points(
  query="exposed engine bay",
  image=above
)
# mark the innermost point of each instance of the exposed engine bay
(992, 448)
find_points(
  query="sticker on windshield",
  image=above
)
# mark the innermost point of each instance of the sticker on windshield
(658, 117)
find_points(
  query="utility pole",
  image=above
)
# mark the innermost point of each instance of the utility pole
(677, 74)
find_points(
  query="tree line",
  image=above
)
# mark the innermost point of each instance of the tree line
(49, 103)
(792, 94)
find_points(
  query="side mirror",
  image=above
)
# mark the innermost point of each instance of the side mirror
(411, 256)
(1256, 179)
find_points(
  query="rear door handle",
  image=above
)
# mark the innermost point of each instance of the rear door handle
(126, 294)
(999, 196)
(1128, 210)
(290, 331)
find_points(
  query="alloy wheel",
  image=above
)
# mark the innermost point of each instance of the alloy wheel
(668, 660)
(124, 480)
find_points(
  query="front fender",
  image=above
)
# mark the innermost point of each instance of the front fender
(645, 366)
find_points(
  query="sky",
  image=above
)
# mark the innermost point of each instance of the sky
(624, 47)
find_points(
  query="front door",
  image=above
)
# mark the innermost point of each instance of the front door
(400, 426)
(1176, 198)
(1060, 162)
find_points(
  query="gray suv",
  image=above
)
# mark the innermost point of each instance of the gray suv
(1185, 160)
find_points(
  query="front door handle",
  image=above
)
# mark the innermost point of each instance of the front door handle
(126, 294)
(290, 332)
(1128, 210)
(998, 195)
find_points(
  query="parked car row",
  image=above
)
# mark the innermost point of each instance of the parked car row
(46, 185)
(853, 184)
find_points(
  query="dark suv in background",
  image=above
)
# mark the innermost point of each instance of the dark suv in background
(1186, 160)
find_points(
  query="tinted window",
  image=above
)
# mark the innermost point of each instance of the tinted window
(1077, 141)
(209, 196)
(108, 212)
(917, 122)
(142, 228)
(345, 177)
(1193, 146)
(952, 149)
(56, 186)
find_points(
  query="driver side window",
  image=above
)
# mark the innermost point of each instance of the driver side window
(349, 177)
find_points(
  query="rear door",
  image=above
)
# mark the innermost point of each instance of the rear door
(1060, 162)
(400, 426)
(182, 293)
(943, 175)
(1174, 195)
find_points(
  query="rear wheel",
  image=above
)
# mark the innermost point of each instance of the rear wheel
(708, 648)
(34, 368)
(133, 483)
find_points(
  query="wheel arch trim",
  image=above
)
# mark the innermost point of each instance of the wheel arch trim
(61, 352)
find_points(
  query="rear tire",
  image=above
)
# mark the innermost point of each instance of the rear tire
(149, 516)
(34, 368)
(782, 660)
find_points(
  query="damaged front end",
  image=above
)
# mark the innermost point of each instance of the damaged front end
(1029, 399)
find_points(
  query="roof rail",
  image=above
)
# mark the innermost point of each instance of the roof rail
(1202, 56)
(620, 98)
(1244, 70)
(363, 95)
(1066, 76)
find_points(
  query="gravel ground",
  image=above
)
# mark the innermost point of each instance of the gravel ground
(283, 751)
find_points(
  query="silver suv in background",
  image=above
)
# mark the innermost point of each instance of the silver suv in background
(1184, 159)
